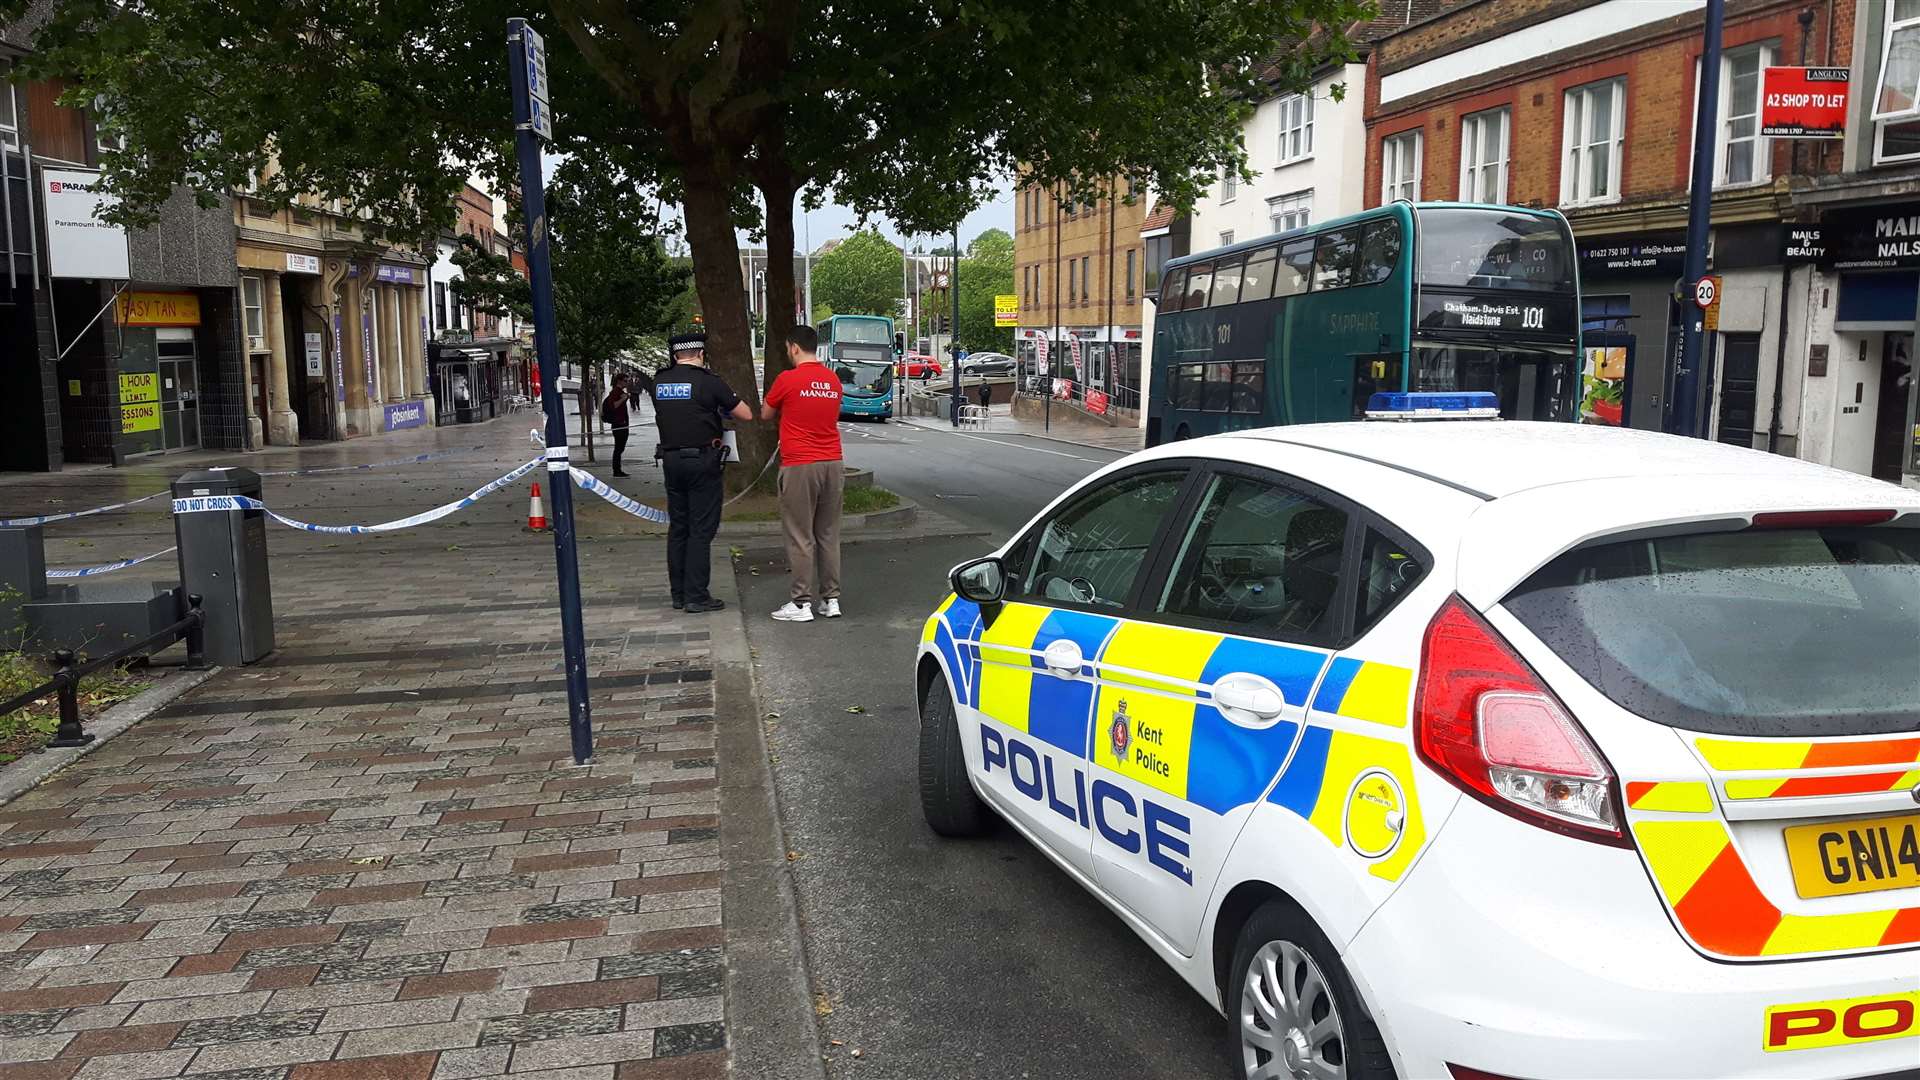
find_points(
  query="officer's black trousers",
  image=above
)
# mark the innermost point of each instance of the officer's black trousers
(693, 505)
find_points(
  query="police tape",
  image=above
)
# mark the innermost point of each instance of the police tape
(48, 519)
(89, 571)
(203, 504)
(589, 482)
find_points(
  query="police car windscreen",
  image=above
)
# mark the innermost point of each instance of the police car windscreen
(1493, 249)
(1777, 633)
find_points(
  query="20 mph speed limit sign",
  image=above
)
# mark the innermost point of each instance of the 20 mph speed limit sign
(1704, 293)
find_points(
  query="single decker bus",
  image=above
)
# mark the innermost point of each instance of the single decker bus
(859, 348)
(1306, 325)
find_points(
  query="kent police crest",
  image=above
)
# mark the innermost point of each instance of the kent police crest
(1121, 731)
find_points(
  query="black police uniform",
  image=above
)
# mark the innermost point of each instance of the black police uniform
(688, 401)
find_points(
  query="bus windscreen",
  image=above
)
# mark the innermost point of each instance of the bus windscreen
(1463, 247)
(863, 331)
(865, 378)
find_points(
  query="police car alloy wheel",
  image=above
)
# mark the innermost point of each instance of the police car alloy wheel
(1292, 1011)
(947, 797)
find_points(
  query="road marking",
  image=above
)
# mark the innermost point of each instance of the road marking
(1016, 446)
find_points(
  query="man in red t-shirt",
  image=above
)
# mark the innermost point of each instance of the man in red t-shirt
(806, 398)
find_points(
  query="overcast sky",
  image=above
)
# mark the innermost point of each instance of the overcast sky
(834, 220)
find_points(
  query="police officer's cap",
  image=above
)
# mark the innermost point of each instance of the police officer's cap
(687, 343)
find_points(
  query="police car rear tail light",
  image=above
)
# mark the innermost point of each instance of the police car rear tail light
(1431, 405)
(1485, 721)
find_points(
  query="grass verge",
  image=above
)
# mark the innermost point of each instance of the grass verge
(28, 729)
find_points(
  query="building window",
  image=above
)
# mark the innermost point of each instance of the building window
(106, 141)
(9, 109)
(1132, 258)
(439, 305)
(1742, 154)
(1289, 212)
(1226, 237)
(1296, 128)
(1400, 167)
(1229, 184)
(1483, 157)
(251, 303)
(1073, 283)
(1898, 95)
(1594, 137)
(1086, 277)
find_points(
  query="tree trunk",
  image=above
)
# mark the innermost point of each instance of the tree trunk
(723, 303)
(778, 197)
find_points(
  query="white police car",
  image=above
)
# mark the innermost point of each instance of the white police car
(1469, 750)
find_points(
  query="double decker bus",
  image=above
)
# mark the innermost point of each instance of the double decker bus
(859, 348)
(1305, 325)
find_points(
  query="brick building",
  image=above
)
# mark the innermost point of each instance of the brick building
(1586, 106)
(1079, 270)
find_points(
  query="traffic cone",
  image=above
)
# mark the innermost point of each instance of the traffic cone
(536, 510)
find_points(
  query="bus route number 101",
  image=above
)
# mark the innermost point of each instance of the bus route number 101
(1533, 318)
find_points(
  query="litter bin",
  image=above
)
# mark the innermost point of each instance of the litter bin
(223, 557)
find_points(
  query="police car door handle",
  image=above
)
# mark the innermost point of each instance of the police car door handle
(1248, 700)
(1063, 658)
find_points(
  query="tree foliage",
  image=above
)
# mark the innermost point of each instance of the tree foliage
(985, 272)
(612, 280)
(387, 106)
(862, 275)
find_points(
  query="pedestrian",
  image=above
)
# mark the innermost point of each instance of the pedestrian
(613, 413)
(986, 394)
(806, 399)
(689, 402)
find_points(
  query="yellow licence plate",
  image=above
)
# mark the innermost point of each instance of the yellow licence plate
(1841, 857)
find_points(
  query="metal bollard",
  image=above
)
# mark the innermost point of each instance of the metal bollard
(69, 732)
(196, 635)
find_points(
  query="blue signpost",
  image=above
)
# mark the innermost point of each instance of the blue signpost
(531, 123)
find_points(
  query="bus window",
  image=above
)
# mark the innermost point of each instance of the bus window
(1249, 387)
(1295, 268)
(1379, 252)
(1170, 292)
(1333, 259)
(1256, 281)
(1463, 247)
(1219, 388)
(1187, 382)
(1226, 282)
(1199, 283)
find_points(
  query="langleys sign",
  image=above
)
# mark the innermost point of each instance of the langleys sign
(1804, 102)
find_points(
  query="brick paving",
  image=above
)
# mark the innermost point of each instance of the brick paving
(370, 856)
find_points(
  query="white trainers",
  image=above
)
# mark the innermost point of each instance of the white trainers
(830, 608)
(792, 612)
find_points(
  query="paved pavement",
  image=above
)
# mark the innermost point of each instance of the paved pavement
(370, 856)
(939, 958)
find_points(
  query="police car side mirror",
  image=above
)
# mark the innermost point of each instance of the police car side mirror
(983, 581)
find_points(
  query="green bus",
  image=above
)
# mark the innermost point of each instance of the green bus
(1305, 325)
(859, 348)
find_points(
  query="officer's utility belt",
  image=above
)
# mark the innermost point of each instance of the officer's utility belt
(684, 451)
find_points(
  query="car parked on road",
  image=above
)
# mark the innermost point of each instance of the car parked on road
(1468, 748)
(988, 363)
(917, 366)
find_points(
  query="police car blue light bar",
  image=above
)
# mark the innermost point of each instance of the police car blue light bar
(1434, 405)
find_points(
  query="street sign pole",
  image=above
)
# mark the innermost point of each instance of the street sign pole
(953, 339)
(1683, 416)
(531, 122)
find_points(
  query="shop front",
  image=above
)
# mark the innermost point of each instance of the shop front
(1861, 397)
(1628, 326)
(160, 371)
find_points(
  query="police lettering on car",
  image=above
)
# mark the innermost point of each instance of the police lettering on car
(689, 403)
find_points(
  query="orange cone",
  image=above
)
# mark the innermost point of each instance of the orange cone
(536, 510)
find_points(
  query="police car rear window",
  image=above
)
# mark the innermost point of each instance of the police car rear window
(1770, 633)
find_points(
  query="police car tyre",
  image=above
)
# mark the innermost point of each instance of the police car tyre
(947, 798)
(1304, 1018)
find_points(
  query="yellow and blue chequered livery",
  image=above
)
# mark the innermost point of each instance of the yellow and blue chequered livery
(1142, 707)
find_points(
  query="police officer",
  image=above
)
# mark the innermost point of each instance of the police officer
(689, 402)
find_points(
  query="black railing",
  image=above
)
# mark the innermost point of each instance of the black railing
(191, 628)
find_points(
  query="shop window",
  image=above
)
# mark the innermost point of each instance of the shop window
(1483, 157)
(1593, 137)
(1290, 212)
(1741, 156)
(1296, 128)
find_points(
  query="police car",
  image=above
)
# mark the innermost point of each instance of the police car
(1468, 749)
